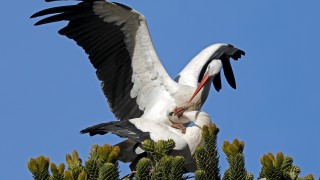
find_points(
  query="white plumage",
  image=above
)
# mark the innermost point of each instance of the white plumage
(140, 129)
(119, 46)
(139, 91)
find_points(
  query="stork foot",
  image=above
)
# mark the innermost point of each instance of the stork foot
(179, 126)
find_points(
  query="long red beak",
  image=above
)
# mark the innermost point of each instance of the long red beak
(204, 80)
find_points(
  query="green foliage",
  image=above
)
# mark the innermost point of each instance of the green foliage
(102, 163)
(82, 176)
(308, 177)
(108, 171)
(235, 158)
(280, 167)
(249, 176)
(200, 175)
(168, 168)
(144, 168)
(74, 164)
(57, 172)
(99, 157)
(68, 175)
(207, 156)
(158, 150)
(177, 168)
(164, 166)
(39, 168)
(92, 167)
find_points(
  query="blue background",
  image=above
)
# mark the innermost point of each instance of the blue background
(49, 91)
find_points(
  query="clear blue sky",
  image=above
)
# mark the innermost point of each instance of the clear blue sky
(49, 91)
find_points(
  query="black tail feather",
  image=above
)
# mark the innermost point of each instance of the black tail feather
(100, 129)
(120, 128)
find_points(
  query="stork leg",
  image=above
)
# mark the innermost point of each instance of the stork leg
(179, 126)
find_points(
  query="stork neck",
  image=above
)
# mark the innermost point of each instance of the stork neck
(190, 74)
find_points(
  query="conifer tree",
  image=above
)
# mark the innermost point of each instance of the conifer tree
(102, 163)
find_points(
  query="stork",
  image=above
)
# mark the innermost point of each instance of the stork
(135, 83)
(140, 129)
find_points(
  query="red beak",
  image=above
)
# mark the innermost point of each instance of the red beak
(204, 80)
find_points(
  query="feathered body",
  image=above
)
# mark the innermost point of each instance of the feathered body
(140, 129)
(138, 89)
(120, 48)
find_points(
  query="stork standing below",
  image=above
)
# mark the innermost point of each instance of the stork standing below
(140, 129)
(119, 46)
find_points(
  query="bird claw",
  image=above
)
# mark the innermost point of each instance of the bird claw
(179, 126)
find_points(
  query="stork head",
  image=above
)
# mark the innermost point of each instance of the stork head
(212, 70)
(224, 53)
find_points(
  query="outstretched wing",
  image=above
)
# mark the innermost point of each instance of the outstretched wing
(119, 46)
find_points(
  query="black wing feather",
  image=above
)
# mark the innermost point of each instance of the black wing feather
(123, 129)
(217, 82)
(224, 53)
(228, 72)
(105, 44)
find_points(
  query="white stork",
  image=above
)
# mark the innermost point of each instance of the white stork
(140, 129)
(119, 46)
